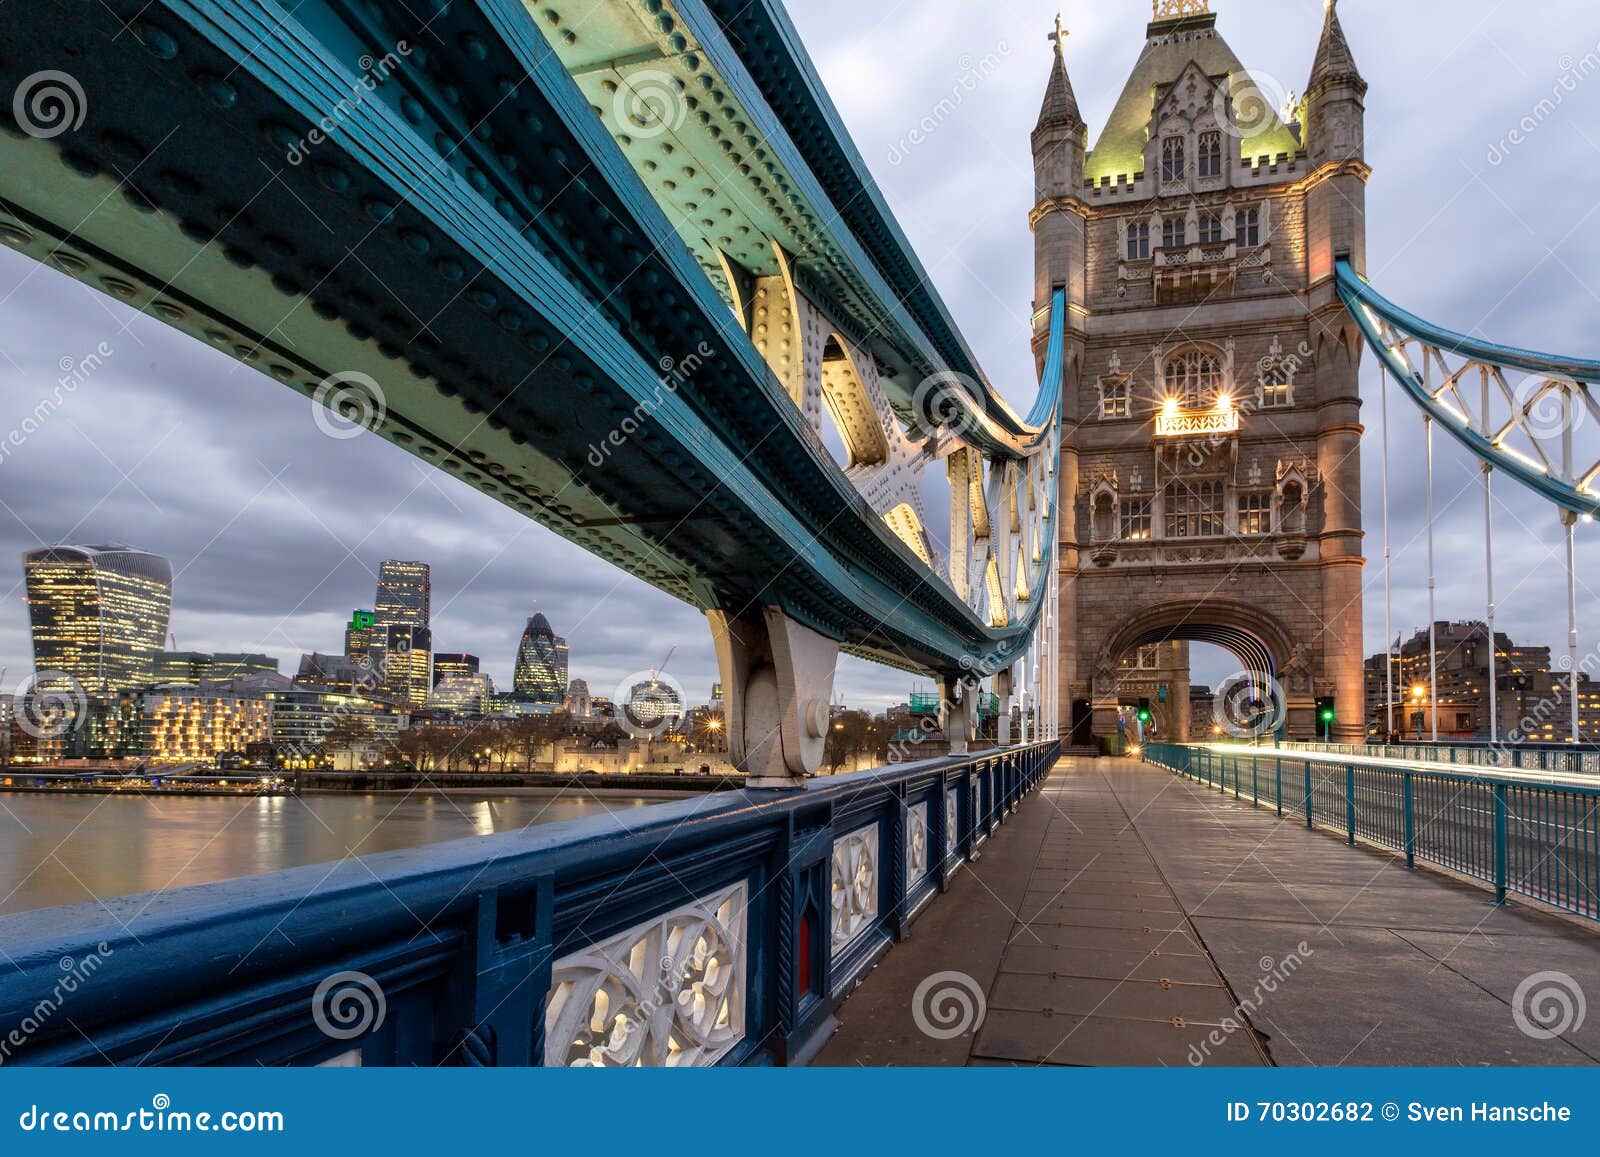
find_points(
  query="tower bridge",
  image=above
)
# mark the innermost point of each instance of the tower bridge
(503, 235)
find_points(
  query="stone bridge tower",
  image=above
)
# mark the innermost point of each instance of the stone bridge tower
(1210, 470)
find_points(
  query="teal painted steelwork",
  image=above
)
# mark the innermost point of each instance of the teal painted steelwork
(1540, 840)
(1576, 495)
(461, 938)
(507, 214)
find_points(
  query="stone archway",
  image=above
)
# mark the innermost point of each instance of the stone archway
(1264, 646)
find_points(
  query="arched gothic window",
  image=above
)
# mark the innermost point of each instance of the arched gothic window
(1193, 377)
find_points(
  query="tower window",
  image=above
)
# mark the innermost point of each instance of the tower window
(1247, 227)
(1277, 387)
(1193, 377)
(1193, 509)
(1135, 519)
(1114, 400)
(1210, 228)
(1255, 513)
(1210, 154)
(1172, 159)
(1173, 231)
(1138, 240)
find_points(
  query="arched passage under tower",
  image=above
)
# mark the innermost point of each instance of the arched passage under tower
(1146, 650)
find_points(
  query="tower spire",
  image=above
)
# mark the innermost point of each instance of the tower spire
(1060, 107)
(1334, 60)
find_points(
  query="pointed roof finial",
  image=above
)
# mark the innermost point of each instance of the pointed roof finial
(1060, 104)
(1334, 60)
(1059, 35)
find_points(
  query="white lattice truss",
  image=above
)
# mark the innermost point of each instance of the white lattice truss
(854, 885)
(1546, 422)
(917, 840)
(667, 992)
(998, 507)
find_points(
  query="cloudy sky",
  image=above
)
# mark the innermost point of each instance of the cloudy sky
(276, 530)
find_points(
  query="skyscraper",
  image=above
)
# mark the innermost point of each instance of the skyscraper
(404, 590)
(405, 659)
(448, 664)
(99, 613)
(360, 635)
(541, 669)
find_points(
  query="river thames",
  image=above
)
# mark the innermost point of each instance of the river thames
(72, 849)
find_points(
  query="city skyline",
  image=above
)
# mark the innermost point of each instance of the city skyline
(271, 549)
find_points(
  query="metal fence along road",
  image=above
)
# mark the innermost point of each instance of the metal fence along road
(1560, 758)
(1540, 840)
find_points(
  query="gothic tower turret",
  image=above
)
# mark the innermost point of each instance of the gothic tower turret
(1336, 228)
(1060, 221)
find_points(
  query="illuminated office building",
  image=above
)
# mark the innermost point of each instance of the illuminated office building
(404, 662)
(449, 664)
(541, 670)
(190, 667)
(99, 614)
(404, 593)
(360, 636)
(462, 694)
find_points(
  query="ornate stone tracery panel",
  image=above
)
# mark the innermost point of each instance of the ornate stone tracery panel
(916, 844)
(668, 992)
(855, 884)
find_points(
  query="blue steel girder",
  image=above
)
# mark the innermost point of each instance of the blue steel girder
(771, 50)
(468, 236)
(1534, 416)
(682, 105)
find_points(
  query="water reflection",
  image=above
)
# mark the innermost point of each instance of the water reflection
(68, 849)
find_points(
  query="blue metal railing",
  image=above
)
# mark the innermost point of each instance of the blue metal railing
(723, 929)
(1540, 840)
(1556, 758)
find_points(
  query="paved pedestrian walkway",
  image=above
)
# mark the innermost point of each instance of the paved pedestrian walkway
(1126, 915)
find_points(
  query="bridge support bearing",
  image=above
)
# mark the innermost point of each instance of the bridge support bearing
(958, 710)
(777, 682)
(1004, 686)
